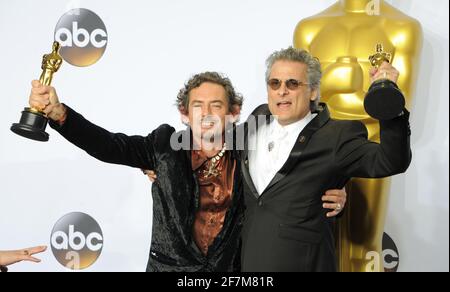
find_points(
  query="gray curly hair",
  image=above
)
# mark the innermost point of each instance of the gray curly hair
(234, 98)
(314, 71)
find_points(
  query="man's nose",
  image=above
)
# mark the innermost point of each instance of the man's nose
(206, 111)
(283, 90)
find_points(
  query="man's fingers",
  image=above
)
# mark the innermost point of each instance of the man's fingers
(41, 97)
(31, 259)
(332, 206)
(337, 208)
(36, 84)
(39, 90)
(333, 192)
(37, 105)
(150, 174)
(387, 74)
(152, 177)
(45, 99)
(329, 198)
(36, 249)
(334, 199)
(52, 94)
(385, 71)
(48, 109)
(386, 65)
(39, 101)
(332, 214)
(380, 75)
(27, 253)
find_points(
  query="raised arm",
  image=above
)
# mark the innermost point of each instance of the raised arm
(358, 157)
(117, 148)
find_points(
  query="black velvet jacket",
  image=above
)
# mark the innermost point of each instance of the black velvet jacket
(175, 194)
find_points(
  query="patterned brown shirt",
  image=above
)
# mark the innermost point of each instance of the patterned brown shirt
(215, 198)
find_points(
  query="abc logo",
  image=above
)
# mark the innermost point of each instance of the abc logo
(83, 37)
(391, 256)
(76, 241)
(389, 259)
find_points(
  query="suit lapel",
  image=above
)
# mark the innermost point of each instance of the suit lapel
(248, 178)
(262, 110)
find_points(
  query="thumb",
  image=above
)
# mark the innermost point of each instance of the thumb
(32, 259)
(373, 72)
(53, 96)
(36, 84)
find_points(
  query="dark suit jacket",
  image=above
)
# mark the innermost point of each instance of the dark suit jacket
(175, 194)
(286, 228)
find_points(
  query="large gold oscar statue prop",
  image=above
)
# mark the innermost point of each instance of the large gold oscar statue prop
(343, 37)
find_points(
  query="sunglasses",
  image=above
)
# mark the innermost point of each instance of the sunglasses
(291, 84)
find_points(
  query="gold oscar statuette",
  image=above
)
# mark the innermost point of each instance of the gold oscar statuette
(384, 100)
(33, 121)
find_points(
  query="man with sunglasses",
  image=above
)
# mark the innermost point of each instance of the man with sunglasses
(299, 152)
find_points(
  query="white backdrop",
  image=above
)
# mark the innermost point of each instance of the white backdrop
(153, 47)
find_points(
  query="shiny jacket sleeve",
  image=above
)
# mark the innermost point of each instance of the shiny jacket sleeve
(117, 148)
(356, 156)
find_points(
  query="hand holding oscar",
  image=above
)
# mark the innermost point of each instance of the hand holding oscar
(33, 120)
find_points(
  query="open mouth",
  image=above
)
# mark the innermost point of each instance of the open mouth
(208, 123)
(284, 104)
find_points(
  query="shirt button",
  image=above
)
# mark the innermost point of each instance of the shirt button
(260, 203)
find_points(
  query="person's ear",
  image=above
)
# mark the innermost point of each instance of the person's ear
(235, 113)
(314, 94)
(184, 116)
